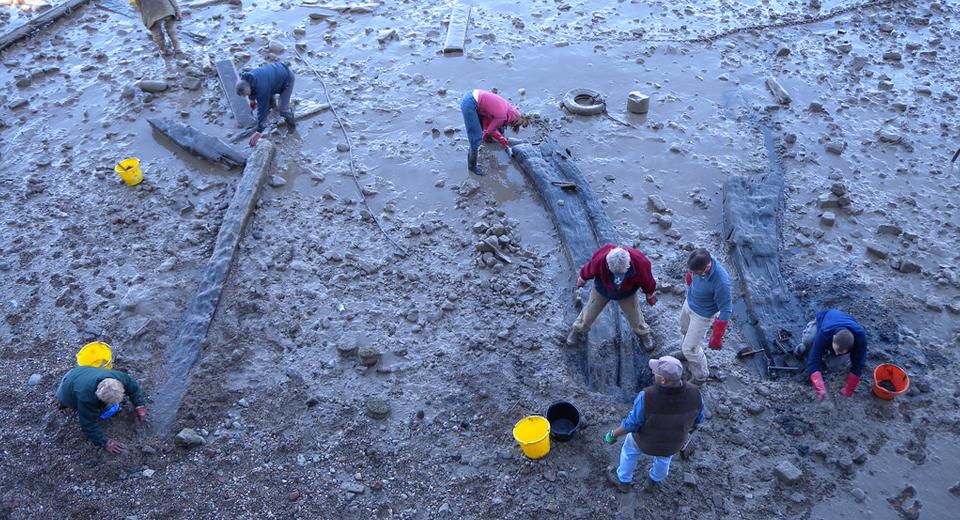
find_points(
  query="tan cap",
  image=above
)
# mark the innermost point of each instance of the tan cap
(667, 367)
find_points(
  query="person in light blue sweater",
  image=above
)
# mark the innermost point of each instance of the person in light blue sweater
(708, 300)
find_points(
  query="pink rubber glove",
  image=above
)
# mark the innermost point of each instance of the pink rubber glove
(651, 299)
(254, 139)
(141, 413)
(817, 379)
(852, 382)
(688, 277)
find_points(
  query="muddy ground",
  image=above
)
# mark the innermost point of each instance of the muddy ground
(468, 349)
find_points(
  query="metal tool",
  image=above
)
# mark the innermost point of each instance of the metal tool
(785, 369)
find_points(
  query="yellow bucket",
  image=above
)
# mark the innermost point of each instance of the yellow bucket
(129, 170)
(533, 435)
(95, 354)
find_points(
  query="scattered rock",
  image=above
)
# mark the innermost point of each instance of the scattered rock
(188, 438)
(17, 103)
(889, 229)
(368, 355)
(836, 148)
(378, 408)
(34, 380)
(294, 495)
(277, 181)
(908, 266)
(877, 251)
(891, 56)
(828, 218)
(152, 85)
(838, 189)
(148, 473)
(276, 47)
(782, 51)
(342, 147)
(353, 487)
(657, 203)
(787, 473)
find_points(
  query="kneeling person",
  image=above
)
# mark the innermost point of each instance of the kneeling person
(96, 393)
(834, 333)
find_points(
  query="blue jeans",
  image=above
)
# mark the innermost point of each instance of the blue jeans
(471, 120)
(628, 463)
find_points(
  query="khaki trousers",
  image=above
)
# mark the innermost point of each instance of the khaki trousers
(693, 329)
(170, 25)
(597, 302)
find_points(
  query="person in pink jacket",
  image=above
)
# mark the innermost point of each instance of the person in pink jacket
(484, 114)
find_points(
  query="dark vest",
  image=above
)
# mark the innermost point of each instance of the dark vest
(670, 412)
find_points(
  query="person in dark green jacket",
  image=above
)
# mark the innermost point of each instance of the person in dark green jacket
(96, 393)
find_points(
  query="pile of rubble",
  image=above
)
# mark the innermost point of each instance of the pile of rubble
(497, 240)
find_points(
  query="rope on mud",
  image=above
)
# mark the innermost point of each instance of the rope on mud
(353, 167)
(839, 11)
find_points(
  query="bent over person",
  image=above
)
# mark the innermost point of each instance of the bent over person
(96, 393)
(157, 13)
(663, 417)
(484, 115)
(617, 273)
(259, 86)
(834, 333)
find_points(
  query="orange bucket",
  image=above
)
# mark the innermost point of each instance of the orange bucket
(895, 375)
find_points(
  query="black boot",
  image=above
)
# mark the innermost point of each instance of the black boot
(291, 122)
(472, 162)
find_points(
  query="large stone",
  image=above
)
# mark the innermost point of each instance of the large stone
(34, 380)
(657, 203)
(152, 85)
(889, 229)
(908, 266)
(787, 473)
(638, 103)
(378, 408)
(189, 438)
(828, 218)
(368, 355)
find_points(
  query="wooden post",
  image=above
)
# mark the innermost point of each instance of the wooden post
(39, 22)
(239, 105)
(457, 28)
(202, 307)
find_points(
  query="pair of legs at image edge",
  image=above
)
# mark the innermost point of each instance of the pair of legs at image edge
(595, 304)
(169, 24)
(622, 476)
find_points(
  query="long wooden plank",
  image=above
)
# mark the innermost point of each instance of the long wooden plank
(228, 81)
(612, 361)
(457, 28)
(39, 22)
(198, 143)
(202, 307)
(752, 223)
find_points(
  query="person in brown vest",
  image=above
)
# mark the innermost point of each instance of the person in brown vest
(663, 417)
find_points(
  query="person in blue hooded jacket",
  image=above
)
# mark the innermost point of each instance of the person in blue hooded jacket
(260, 85)
(833, 333)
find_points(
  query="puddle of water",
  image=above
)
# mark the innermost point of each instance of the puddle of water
(886, 474)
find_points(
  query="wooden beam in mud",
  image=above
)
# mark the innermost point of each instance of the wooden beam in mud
(768, 313)
(39, 22)
(457, 28)
(612, 361)
(198, 143)
(185, 350)
(239, 105)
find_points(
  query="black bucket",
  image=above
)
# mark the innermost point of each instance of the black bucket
(564, 420)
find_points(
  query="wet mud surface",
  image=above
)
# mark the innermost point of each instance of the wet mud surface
(460, 348)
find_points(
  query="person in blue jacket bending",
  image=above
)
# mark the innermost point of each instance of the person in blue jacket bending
(834, 333)
(260, 85)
